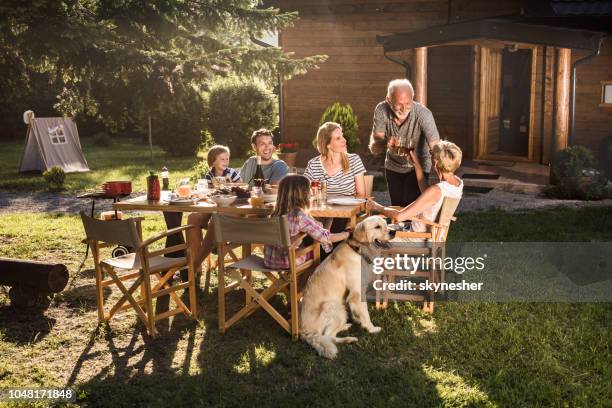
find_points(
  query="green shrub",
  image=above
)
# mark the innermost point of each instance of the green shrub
(199, 170)
(178, 125)
(237, 108)
(344, 116)
(573, 176)
(101, 139)
(55, 178)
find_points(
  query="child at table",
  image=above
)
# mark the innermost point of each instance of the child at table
(218, 161)
(446, 157)
(293, 200)
(218, 158)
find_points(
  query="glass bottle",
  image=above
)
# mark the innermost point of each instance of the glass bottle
(258, 177)
(165, 179)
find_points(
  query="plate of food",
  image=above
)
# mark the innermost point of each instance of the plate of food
(345, 200)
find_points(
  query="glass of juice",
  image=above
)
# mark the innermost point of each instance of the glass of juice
(257, 199)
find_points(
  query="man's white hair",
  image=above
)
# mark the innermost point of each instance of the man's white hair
(399, 85)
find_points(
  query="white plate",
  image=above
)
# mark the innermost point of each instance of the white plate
(345, 201)
(183, 201)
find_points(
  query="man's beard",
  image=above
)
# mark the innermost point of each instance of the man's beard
(402, 115)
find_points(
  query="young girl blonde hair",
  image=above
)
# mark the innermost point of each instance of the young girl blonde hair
(446, 156)
(324, 136)
(293, 193)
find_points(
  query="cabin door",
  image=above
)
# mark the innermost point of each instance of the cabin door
(507, 89)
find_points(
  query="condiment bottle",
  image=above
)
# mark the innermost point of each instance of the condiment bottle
(153, 190)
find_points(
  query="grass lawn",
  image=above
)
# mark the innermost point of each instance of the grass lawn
(121, 161)
(466, 354)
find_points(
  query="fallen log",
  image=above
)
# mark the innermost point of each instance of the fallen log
(43, 276)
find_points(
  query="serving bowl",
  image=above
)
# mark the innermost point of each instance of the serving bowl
(223, 200)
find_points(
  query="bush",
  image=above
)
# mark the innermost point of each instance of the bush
(237, 108)
(178, 126)
(344, 116)
(55, 178)
(573, 176)
(101, 139)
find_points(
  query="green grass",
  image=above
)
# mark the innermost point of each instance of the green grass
(121, 161)
(466, 354)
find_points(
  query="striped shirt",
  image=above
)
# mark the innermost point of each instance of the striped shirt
(228, 172)
(278, 258)
(340, 183)
(419, 126)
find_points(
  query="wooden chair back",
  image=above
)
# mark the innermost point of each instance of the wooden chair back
(119, 232)
(265, 231)
(445, 216)
(369, 184)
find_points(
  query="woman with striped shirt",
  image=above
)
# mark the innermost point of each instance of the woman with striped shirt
(342, 171)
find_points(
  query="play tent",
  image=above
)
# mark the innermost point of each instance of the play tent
(52, 142)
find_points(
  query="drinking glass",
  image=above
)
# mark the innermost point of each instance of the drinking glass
(292, 170)
(219, 182)
(183, 188)
(257, 199)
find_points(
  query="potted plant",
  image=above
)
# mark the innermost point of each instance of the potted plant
(287, 153)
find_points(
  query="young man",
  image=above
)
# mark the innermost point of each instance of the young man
(399, 120)
(274, 170)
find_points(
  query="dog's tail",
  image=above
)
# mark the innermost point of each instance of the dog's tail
(325, 345)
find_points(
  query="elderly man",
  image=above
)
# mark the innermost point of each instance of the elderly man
(400, 121)
(274, 170)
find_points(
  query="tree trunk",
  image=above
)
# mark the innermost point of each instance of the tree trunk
(45, 277)
(150, 139)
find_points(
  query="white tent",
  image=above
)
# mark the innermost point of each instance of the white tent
(52, 142)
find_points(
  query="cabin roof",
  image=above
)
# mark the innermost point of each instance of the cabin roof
(502, 29)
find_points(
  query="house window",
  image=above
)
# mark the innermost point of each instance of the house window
(606, 94)
(57, 134)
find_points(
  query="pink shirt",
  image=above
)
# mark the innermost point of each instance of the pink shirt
(278, 258)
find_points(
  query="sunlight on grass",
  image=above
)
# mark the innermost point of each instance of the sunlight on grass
(425, 327)
(453, 390)
(255, 358)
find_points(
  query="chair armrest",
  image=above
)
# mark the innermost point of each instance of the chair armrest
(165, 234)
(295, 242)
(307, 249)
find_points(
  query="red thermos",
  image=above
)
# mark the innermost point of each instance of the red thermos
(153, 189)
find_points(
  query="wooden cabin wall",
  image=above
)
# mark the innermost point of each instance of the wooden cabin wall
(356, 71)
(449, 91)
(593, 123)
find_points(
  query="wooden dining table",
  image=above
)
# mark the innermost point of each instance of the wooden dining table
(173, 214)
(240, 208)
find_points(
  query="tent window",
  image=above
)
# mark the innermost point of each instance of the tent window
(57, 135)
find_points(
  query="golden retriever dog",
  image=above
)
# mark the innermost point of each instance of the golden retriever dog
(336, 283)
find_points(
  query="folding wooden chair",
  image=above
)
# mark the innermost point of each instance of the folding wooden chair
(432, 244)
(267, 231)
(138, 267)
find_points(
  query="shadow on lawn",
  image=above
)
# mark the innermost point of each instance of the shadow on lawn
(254, 363)
(24, 325)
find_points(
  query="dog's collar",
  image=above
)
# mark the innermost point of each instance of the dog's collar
(356, 247)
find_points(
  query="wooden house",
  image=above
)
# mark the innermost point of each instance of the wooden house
(506, 80)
